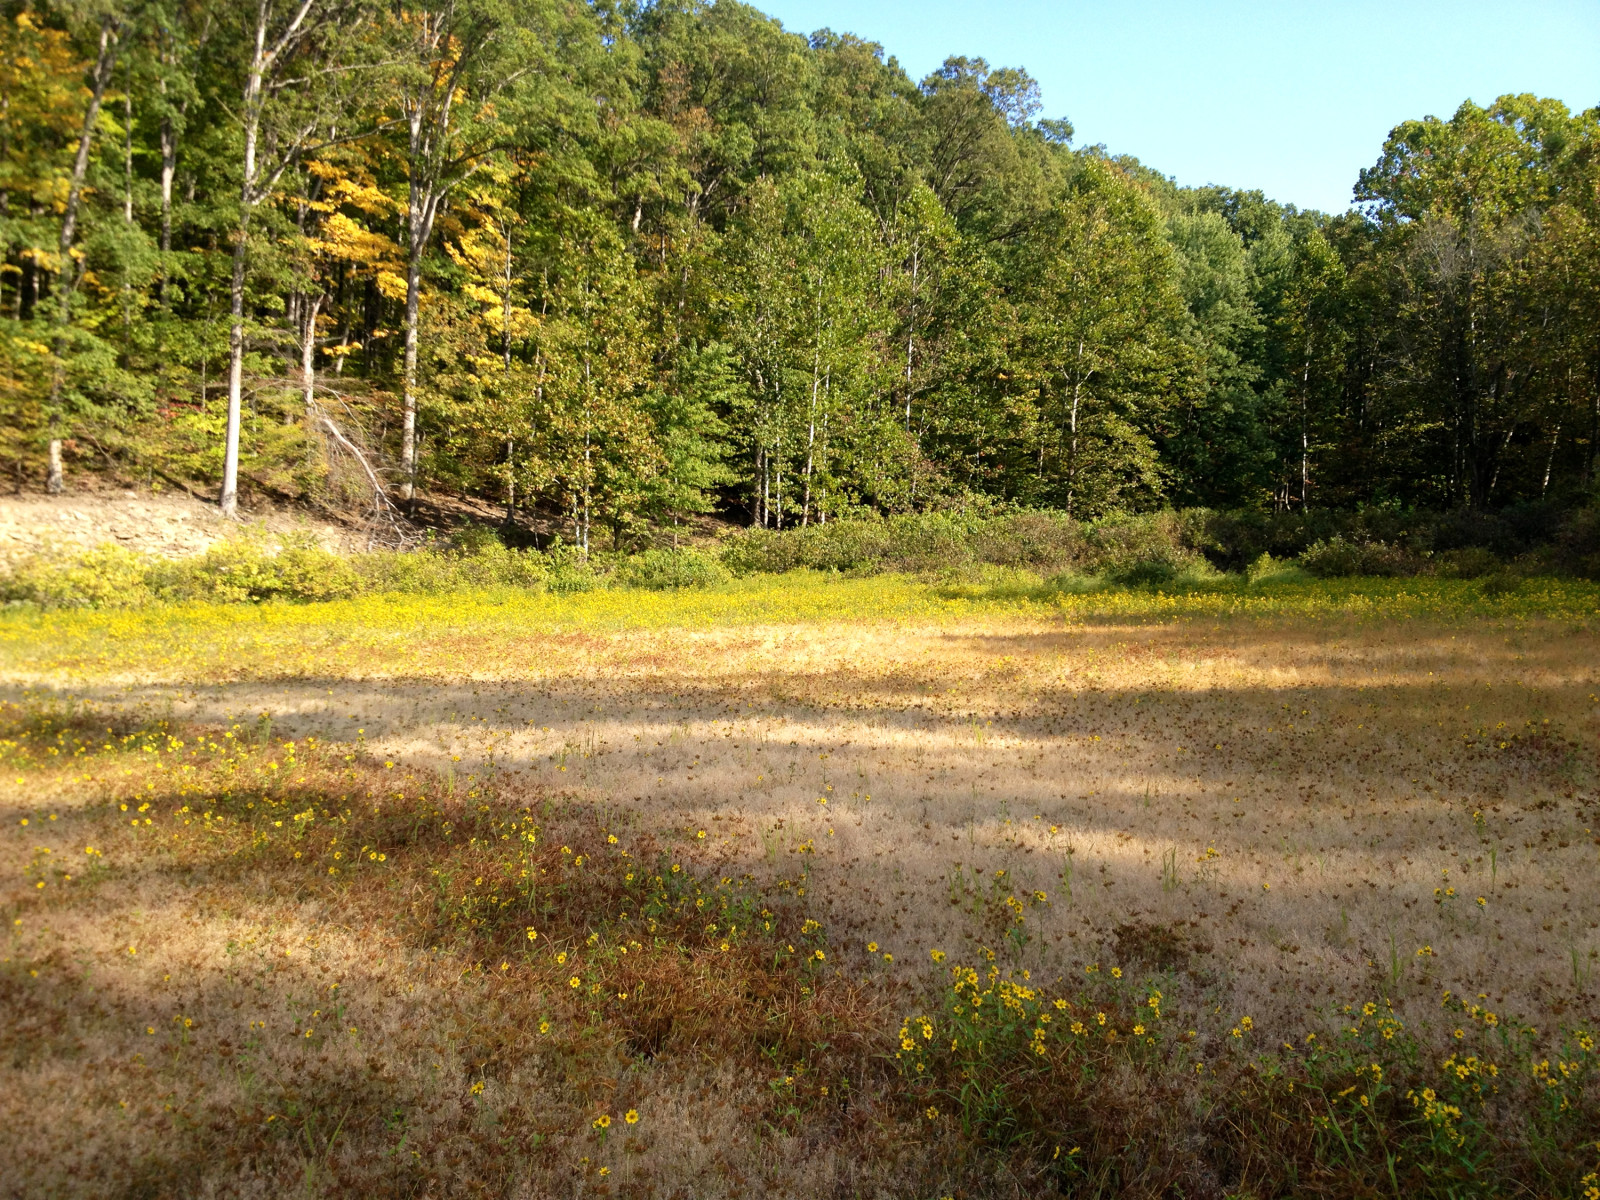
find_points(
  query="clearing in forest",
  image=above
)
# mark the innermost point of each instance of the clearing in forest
(260, 870)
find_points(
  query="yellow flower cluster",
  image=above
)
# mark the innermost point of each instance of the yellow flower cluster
(1445, 1118)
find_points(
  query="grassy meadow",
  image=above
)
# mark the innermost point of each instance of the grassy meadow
(806, 885)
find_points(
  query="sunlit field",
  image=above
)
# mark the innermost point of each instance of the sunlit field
(807, 886)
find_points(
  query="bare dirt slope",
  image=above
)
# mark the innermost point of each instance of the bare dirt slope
(167, 523)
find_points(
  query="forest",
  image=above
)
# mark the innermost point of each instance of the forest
(625, 264)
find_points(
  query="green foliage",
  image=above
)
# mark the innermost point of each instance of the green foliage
(487, 564)
(1189, 550)
(1131, 548)
(1335, 558)
(656, 261)
(1049, 1076)
(658, 570)
(248, 569)
(70, 577)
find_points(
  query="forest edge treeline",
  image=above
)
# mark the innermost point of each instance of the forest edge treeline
(623, 264)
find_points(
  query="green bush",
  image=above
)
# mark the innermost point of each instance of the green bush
(248, 568)
(659, 570)
(1473, 562)
(1149, 548)
(1336, 558)
(1044, 542)
(69, 577)
(848, 545)
(475, 563)
(1157, 549)
(1266, 569)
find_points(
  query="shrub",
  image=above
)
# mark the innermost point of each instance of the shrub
(1143, 573)
(248, 568)
(847, 545)
(1142, 549)
(1037, 541)
(659, 570)
(1335, 558)
(69, 577)
(1474, 562)
(1049, 543)
(477, 564)
(1266, 569)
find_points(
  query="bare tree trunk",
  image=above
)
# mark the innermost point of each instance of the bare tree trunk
(408, 428)
(1305, 435)
(811, 445)
(67, 276)
(250, 117)
(761, 493)
(1072, 462)
(822, 493)
(252, 191)
(911, 332)
(588, 484)
(1594, 435)
(1550, 460)
(308, 355)
(169, 168)
(228, 500)
(511, 482)
(428, 116)
(127, 208)
(127, 154)
(505, 305)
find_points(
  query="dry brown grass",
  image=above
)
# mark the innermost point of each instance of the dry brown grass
(1268, 818)
(1341, 768)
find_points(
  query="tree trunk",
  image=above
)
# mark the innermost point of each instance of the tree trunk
(911, 332)
(251, 192)
(127, 154)
(408, 428)
(169, 168)
(250, 118)
(308, 356)
(811, 446)
(761, 488)
(505, 305)
(428, 128)
(228, 499)
(511, 483)
(1550, 460)
(127, 209)
(1072, 462)
(1305, 437)
(67, 276)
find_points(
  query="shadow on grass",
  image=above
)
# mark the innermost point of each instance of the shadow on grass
(352, 977)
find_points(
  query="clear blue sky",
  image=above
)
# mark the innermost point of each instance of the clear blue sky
(1292, 97)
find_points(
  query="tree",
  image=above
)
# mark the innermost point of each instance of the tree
(1218, 447)
(463, 68)
(109, 30)
(1461, 205)
(693, 439)
(293, 58)
(803, 316)
(1097, 346)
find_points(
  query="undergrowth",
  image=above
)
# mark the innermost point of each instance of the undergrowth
(1162, 550)
(242, 962)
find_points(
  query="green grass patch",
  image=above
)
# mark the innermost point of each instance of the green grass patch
(457, 633)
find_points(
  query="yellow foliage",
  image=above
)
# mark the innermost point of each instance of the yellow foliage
(345, 240)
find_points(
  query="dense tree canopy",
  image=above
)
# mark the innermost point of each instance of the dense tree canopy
(629, 263)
